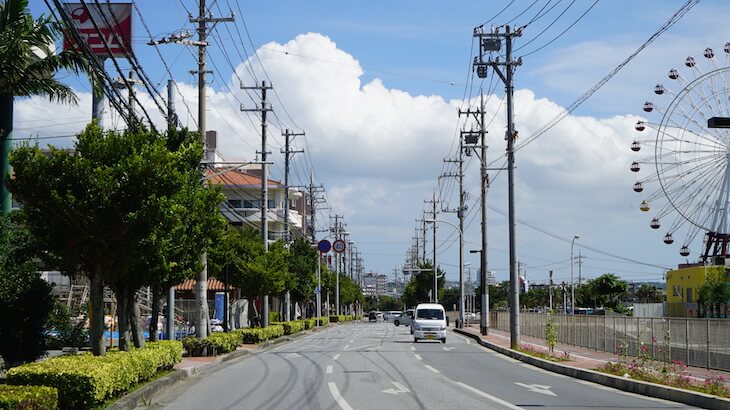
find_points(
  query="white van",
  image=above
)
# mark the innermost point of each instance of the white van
(429, 322)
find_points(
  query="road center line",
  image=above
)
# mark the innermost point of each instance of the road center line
(338, 398)
(432, 369)
(418, 356)
(329, 369)
(337, 356)
(487, 396)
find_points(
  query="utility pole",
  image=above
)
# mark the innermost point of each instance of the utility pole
(337, 231)
(171, 122)
(478, 140)
(460, 214)
(489, 42)
(264, 183)
(201, 289)
(550, 291)
(287, 151)
(434, 211)
(313, 232)
(580, 267)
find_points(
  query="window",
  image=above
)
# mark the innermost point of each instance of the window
(429, 314)
(272, 204)
(250, 204)
(234, 203)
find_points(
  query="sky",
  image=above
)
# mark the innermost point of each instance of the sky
(376, 86)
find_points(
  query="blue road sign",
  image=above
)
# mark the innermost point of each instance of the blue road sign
(324, 246)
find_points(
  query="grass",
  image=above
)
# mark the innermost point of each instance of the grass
(529, 350)
(669, 374)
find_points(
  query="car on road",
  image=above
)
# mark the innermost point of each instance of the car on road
(391, 315)
(404, 319)
(375, 316)
(429, 322)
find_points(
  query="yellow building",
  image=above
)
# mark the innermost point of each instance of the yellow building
(683, 285)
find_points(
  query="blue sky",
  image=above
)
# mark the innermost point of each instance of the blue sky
(376, 86)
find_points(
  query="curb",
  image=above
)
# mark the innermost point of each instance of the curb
(629, 385)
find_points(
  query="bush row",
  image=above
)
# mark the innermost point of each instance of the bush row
(83, 381)
(215, 344)
(28, 397)
(344, 318)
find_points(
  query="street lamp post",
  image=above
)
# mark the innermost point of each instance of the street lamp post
(461, 268)
(572, 283)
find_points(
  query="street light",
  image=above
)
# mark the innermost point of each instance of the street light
(572, 283)
(461, 269)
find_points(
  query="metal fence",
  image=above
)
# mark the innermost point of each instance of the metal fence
(696, 342)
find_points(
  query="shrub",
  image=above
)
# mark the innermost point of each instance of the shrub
(291, 327)
(28, 397)
(334, 318)
(322, 320)
(84, 381)
(273, 317)
(258, 335)
(216, 343)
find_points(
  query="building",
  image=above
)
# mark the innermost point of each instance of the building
(242, 189)
(683, 286)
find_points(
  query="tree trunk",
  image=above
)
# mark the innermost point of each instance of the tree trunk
(6, 129)
(123, 318)
(134, 316)
(96, 315)
(156, 302)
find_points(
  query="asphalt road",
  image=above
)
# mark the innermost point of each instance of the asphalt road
(377, 366)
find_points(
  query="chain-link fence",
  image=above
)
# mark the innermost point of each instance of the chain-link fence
(696, 342)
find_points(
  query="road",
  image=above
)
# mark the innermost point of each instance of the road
(377, 366)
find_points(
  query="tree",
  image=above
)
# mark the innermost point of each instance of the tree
(302, 262)
(421, 284)
(103, 210)
(648, 293)
(607, 290)
(714, 292)
(25, 298)
(28, 68)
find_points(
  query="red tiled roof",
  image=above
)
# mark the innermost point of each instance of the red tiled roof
(213, 284)
(235, 177)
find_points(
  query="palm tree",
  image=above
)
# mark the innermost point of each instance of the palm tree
(29, 63)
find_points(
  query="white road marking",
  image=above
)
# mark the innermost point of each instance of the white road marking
(337, 356)
(418, 356)
(329, 369)
(432, 369)
(338, 398)
(346, 347)
(488, 396)
(538, 388)
(413, 348)
(359, 347)
(401, 389)
(465, 339)
(507, 358)
(448, 349)
(352, 341)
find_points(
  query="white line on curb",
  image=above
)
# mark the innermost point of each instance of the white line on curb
(338, 398)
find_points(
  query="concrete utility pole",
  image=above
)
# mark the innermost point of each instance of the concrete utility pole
(489, 42)
(171, 123)
(580, 267)
(460, 214)
(313, 232)
(287, 151)
(434, 212)
(477, 139)
(550, 290)
(201, 290)
(264, 184)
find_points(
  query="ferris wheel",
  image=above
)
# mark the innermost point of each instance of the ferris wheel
(688, 155)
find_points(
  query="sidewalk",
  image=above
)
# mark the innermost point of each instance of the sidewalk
(581, 357)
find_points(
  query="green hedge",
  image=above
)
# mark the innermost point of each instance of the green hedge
(291, 327)
(215, 344)
(83, 381)
(341, 318)
(258, 335)
(28, 397)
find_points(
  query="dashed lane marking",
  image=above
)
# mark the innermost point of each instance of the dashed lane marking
(418, 356)
(488, 396)
(329, 369)
(432, 369)
(337, 356)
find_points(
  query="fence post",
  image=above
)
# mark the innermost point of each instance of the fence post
(686, 339)
(708, 343)
(613, 319)
(653, 338)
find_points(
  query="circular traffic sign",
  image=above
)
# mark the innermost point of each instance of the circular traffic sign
(324, 246)
(339, 246)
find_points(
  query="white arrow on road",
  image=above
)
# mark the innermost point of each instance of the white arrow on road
(448, 349)
(538, 388)
(400, 389)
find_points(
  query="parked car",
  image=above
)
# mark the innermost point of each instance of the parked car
(391, 315)
(404, 319)
(429, 323)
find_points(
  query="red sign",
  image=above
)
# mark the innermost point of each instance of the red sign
(114, 23)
